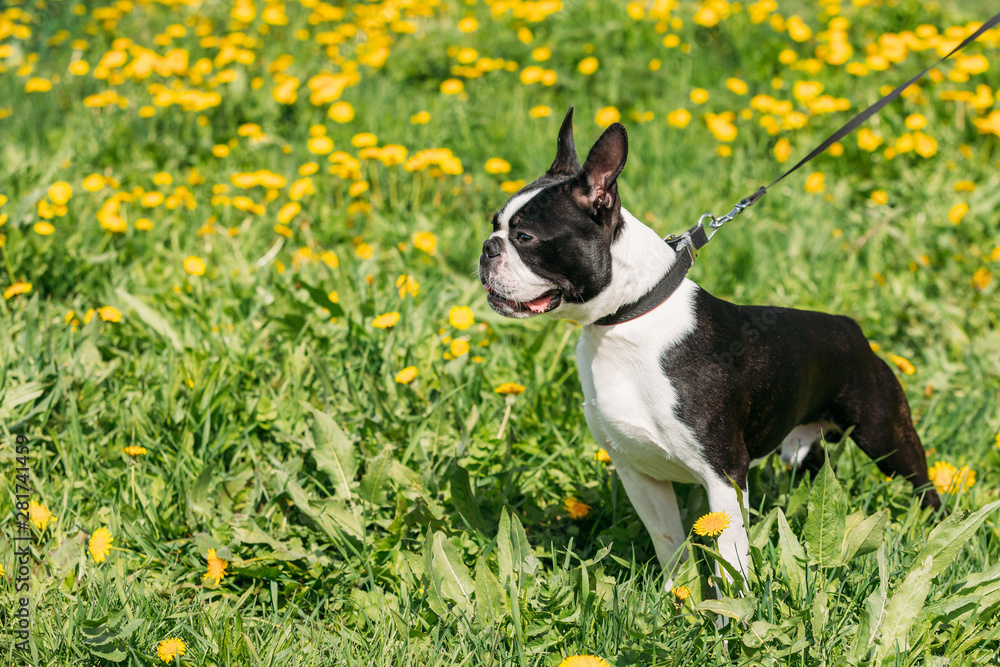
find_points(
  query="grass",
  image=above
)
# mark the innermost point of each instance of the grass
(369, 522)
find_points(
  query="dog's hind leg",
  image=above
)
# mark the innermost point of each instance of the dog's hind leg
(655, 503)
(883, 428)
(802, 449)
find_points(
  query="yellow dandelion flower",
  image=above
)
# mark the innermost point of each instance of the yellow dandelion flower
(998, 440)
(425, 241)
(602, 456)
(868, 140)
(39, 515)
(541, 54)
(958, 212)
(782, 150)
(903, 364)
(588, 65)
(341, 112)
(679, 118)
(43, 228)
(134, 450)
(364, 251)
(681, 592)
(575, 508)
(60, 193)
(496, 165)
(949, 479)
(364, 140)
(406, 284)
(170, 648)
(386, 320)
(699, 96)
(583, 661)
(712, 524)
(510, 389)
(737, 86)
(194, 266)
(540, 111)
(37, 85)
(407, 375)
(452, 86)
(880, 197)
(816, 182)
(216, 568)
(289, 211)
(511, 187)
(607, 116)
(420, 118)
(109, 314)
(461, 317)
(459, 347)
(468, 24)
(100, 544)
(93, 183)
(981, 278)
(319, 145)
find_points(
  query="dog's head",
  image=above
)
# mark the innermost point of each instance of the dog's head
(551, 241)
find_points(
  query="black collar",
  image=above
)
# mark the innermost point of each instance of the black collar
(686, 246)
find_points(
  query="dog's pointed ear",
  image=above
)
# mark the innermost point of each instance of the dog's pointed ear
(603, 165)
(567, 161)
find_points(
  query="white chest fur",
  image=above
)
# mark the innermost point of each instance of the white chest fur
(629, 401)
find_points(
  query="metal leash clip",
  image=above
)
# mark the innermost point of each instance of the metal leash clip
(742, 205)
(693, 239)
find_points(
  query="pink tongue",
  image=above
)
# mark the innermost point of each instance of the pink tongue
(540, 304)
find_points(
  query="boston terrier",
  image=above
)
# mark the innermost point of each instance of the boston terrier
(681, 386)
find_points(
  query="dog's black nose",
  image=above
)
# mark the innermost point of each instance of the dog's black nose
(492, 247)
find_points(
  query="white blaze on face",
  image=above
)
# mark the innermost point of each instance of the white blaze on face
(509, 277)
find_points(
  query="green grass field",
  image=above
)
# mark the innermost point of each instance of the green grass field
(243, 237)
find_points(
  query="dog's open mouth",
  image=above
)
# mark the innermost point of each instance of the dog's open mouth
(545, 303)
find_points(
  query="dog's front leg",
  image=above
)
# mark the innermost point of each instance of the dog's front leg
(733, 543)
(655, 503)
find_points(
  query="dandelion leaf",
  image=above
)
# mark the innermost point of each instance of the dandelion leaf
(792, 555)
(333, 452)
(949, 536)
(738, 609)
(902, 609)
(863, 535)
(463, 499)
(490, 598)
(448, 574)
(824, 530)
(376, 479)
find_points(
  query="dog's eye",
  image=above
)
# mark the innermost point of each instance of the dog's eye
(523, 238)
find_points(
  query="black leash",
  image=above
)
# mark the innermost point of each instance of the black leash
(693, 239)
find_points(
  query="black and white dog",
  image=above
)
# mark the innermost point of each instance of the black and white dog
(695, 389)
